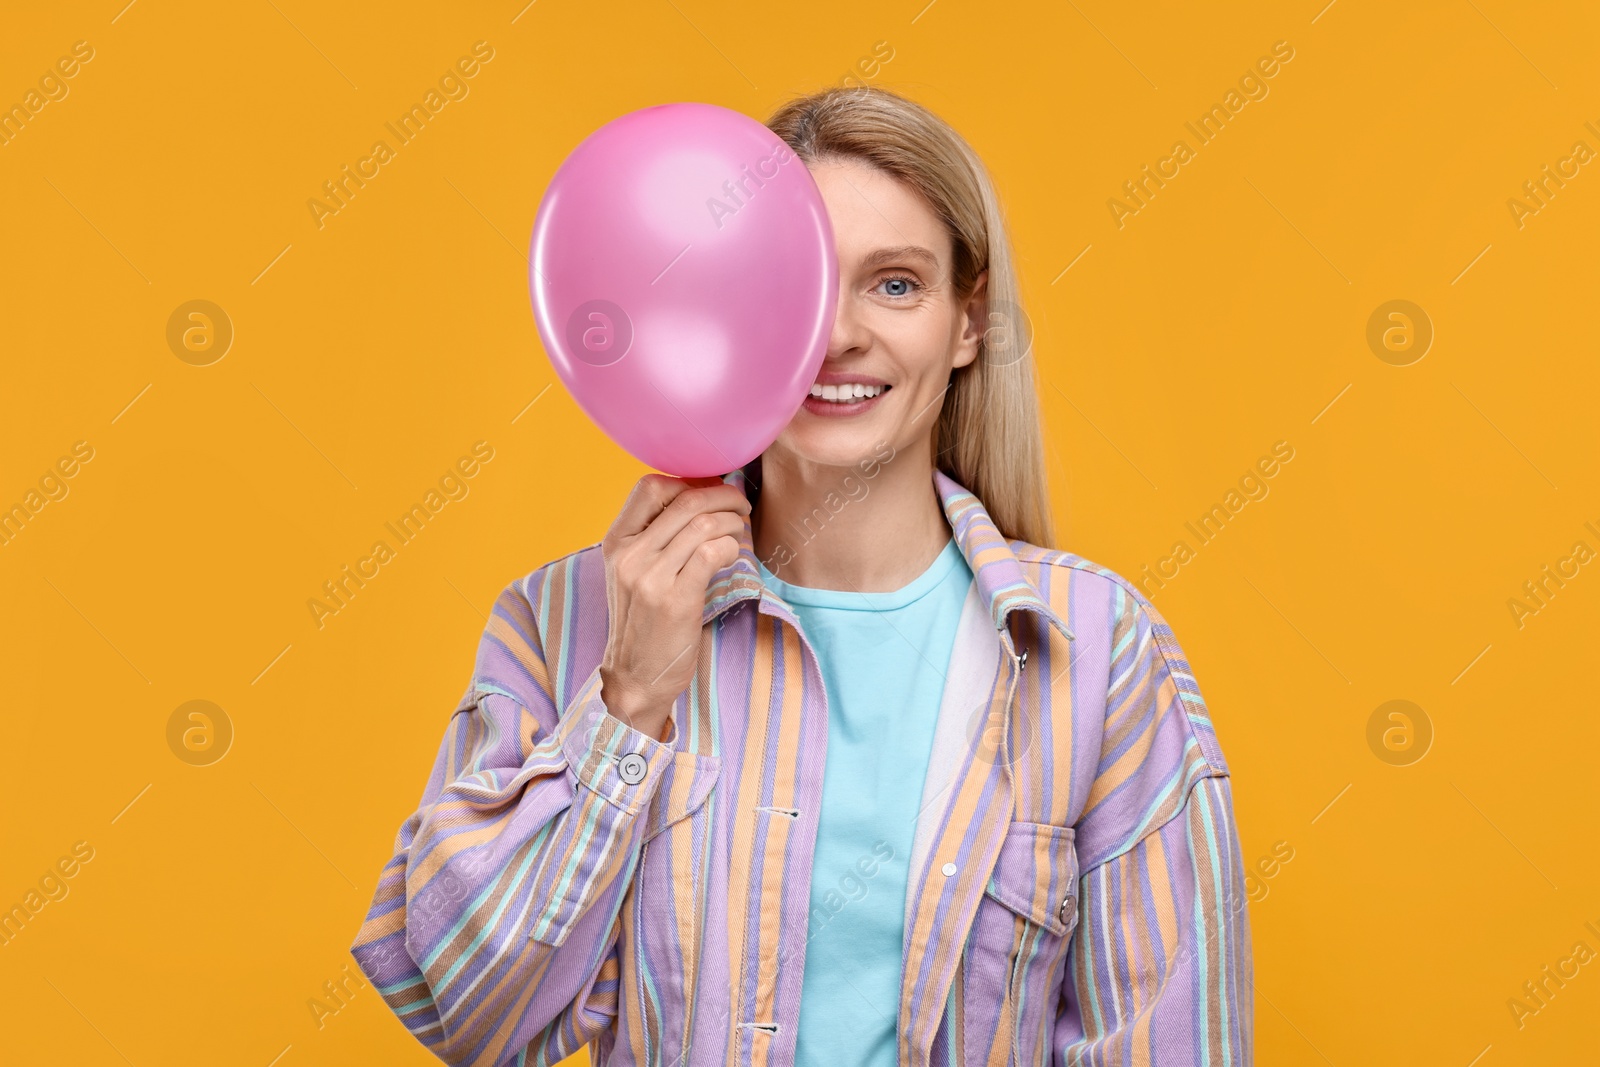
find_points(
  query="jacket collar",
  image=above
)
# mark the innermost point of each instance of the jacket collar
(1001, 582)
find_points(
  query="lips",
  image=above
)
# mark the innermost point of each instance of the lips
(838, 395)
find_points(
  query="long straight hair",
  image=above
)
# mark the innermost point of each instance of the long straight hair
(988, 437)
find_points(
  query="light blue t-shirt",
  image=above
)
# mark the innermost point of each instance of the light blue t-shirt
(884, 657)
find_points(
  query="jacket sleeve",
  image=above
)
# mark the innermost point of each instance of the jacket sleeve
(494, 926)
(1159, 971)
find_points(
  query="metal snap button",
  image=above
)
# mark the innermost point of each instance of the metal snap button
(1067, 905)
(949, 870)
(632, 767)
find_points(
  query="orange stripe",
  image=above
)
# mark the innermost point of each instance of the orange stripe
(744, 819)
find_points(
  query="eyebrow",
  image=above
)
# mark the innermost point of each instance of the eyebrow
(916, 252)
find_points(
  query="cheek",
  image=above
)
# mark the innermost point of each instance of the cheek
(926, 371)
(920, 347)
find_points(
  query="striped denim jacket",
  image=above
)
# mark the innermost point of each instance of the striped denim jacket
(1075, 893)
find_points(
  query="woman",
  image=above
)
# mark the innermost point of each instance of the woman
(831, 761)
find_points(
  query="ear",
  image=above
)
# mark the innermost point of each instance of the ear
(975, 322)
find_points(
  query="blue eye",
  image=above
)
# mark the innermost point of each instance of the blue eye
(906, 285)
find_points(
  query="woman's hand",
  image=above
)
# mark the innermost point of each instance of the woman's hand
(672, 535)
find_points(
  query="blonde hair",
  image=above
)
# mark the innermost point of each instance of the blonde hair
(988, 437)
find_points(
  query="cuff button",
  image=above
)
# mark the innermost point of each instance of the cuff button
(632, 767)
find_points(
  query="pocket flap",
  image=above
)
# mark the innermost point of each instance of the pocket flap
(684, 786)
(1036, 875)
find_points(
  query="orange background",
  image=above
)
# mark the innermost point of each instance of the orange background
(1228, 314)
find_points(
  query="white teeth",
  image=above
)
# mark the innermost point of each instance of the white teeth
(847, 393)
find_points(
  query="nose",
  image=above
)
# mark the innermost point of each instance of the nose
(850, 334)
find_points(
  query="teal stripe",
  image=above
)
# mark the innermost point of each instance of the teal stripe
(1214, 854)
(558, 891)
(455, 931)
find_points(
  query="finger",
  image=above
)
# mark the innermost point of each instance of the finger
(682, 509)
(707, 526)
(706, 560)
(650, 495)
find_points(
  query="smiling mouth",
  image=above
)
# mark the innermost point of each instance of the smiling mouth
(847, 393)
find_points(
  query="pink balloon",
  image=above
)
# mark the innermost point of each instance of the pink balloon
(684, 281)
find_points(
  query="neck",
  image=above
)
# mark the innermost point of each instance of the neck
(840, 528)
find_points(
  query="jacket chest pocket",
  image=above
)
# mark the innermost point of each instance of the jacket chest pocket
(664, 910)
(1017, 948)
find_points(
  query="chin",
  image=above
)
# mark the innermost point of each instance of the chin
(836, 445)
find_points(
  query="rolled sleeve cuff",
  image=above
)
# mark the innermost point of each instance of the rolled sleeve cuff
(606, 755)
